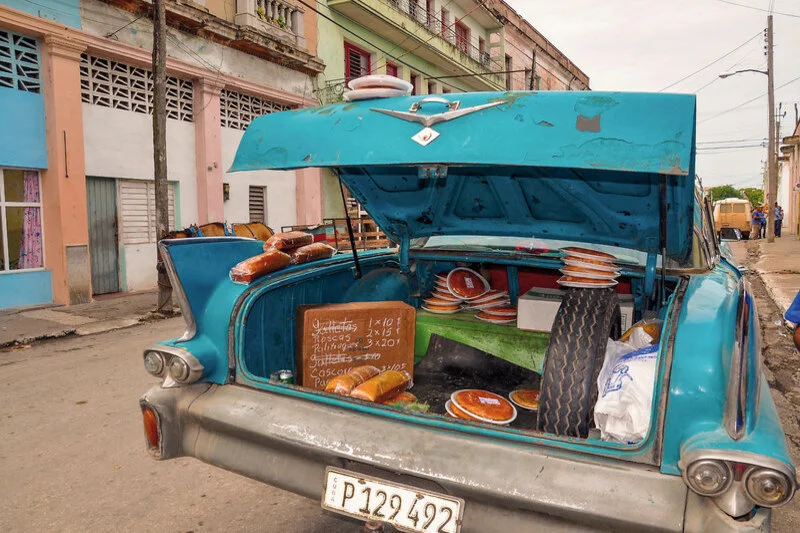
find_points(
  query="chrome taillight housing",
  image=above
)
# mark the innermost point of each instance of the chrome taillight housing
(739, 481)
(174, 364)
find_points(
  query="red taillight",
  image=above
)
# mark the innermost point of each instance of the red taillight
(150, 426)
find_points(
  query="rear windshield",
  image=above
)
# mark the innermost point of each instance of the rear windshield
(725, 208)
(738, 208)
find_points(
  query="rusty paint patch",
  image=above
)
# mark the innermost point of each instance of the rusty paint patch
(544, 123)
(588, 124)
(326, 111)
(348, 107)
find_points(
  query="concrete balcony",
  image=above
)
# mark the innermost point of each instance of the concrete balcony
(278, 18)
(408, 23)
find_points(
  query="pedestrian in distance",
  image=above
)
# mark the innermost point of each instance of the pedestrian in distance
(755, 222)
(778, 219)
(763, 218)
(793, 316)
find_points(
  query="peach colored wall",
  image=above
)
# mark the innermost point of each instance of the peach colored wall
(309, 196)
(64, 181)
(310, 30)
(208, 154)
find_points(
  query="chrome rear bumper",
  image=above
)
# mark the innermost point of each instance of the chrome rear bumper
(287, 442)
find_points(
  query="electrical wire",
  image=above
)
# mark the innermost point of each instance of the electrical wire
(746, 102)
(770, 10)
(710, 64)
(326, 17)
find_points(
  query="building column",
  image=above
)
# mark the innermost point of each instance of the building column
(66, 229)
(309, 194)
(208, 151)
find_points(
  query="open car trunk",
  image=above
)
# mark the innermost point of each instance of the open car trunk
(451, 351)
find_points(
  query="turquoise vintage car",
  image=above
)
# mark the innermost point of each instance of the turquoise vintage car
(471, 179)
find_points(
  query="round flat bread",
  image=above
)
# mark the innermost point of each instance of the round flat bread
(380, 81)
(438, 302)
(590, 263)
(490, 296)
(455, 412)
(466, 283)
(501, 312)
(589, 254)
(442, 295)
(525, 398)
(484, 405)
(583, 272)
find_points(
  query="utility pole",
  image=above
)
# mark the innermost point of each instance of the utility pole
(533, 69)
(772, 183)
(160, 144)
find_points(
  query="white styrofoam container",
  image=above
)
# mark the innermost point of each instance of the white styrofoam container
(538, 307)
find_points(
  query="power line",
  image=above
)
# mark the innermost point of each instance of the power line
(746, 102)
(712, 63)
(326, 17)
(770, 10)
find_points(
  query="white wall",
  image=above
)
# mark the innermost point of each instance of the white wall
(99, 18)
(118, 144)
(281, 188)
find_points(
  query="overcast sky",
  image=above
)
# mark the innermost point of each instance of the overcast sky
(647, 45)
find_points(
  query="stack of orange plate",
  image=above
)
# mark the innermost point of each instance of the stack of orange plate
(493, 298)
(483, 406)
(588, 269)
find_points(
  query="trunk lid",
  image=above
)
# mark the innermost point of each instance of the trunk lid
(589, 167)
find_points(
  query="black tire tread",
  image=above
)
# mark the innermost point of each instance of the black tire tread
(578, 339)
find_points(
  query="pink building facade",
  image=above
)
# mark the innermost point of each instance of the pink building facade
(78, 212)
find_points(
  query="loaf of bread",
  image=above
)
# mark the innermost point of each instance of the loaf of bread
(345, 383)
(403, 397)
(383, 386)
(287, 240)
(311, 252)
(251, 269)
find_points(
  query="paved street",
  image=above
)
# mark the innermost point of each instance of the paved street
(73, 459)
(72, 456)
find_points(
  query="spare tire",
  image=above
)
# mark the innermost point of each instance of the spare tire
(583, 325)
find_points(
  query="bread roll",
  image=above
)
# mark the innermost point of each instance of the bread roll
(311, 252)
(251, 269)
(403, 397)
(289, 239)
(345, 383)
(383, 386)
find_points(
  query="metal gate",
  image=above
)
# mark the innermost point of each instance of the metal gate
(101, 200)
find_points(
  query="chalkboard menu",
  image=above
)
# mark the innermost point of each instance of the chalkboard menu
(333, 339)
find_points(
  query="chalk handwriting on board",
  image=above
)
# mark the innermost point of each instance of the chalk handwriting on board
(341, 344)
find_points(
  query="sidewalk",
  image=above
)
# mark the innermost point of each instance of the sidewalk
(777, 263)
(25, 325)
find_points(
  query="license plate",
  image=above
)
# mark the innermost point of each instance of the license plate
(406, 508)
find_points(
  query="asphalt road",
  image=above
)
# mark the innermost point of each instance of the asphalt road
(72, 454)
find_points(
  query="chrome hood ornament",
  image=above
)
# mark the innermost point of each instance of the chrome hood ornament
(427, 134)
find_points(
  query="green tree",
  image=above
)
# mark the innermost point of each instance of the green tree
(756, 196)
(724, 191)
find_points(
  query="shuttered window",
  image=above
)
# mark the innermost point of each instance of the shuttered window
(392, 70)
(137, 202)
(356, 62)
(258, 204)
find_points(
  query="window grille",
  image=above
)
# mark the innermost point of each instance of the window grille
(19, 62)
(238, 110)
(258, 204)
(109, 83)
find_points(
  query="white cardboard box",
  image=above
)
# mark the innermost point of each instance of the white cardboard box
(538, 307)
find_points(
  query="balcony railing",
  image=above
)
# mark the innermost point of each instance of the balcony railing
(472, 47)
(277, 17)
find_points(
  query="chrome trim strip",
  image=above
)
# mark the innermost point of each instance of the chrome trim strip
(180, 294)
(735, 413)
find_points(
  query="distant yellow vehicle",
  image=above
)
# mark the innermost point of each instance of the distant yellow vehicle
(733, 213)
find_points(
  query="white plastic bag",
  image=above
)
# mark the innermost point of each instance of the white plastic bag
(625, 388)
